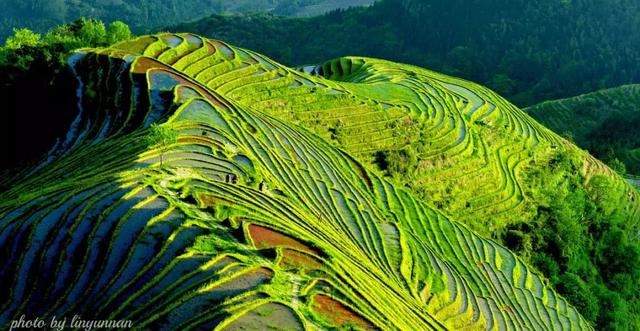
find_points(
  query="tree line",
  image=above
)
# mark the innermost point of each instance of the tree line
(36, 86)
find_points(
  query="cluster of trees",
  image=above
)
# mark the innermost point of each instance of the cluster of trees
(314, 7)
(529, 51)
(583, 240)
(38, 105)
(41, 15)
(145, 15)
(614, 139)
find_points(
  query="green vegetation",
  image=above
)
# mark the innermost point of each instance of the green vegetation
(603, 122)
(360, 172)
(571, 240)
(162, 137)
(528, 51)
(41, 15)
(252, 209)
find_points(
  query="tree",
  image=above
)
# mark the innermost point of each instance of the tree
(22, 38)
(401, 162)
(617, 165)
(577, 292)
(162, 137)
(616, 316)
(29, 62)
(503, 84)
(92, 32)
(56, 9)
(118, 31)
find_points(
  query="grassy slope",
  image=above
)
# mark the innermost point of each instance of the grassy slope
(598, 121)
(185, 246)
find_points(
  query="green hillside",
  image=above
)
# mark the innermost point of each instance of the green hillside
(241, 221)
(455, 143)
(603, 122)
(305, 8)
(461, 148)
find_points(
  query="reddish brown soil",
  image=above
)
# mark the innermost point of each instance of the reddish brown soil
(261, 273)
(338, 313)
(143, 64)
(191, 140)
(296, 259)
(266, 238)
(221, 45)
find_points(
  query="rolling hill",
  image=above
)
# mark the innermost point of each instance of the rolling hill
(358, 193)
(247, 220)
(603, 122)
(465, 149)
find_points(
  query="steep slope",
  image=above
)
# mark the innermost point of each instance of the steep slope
(250, 222)
(603, 122)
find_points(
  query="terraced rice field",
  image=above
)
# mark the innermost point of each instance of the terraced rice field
(472, 146)
(611, 114)
(254, 222)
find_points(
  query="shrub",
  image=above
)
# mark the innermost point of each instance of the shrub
(578, 292)
(162, 137)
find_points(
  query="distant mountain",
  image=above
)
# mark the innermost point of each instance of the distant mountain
(313, 7)
(528, 51)
(144, 15)
(604, 122)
